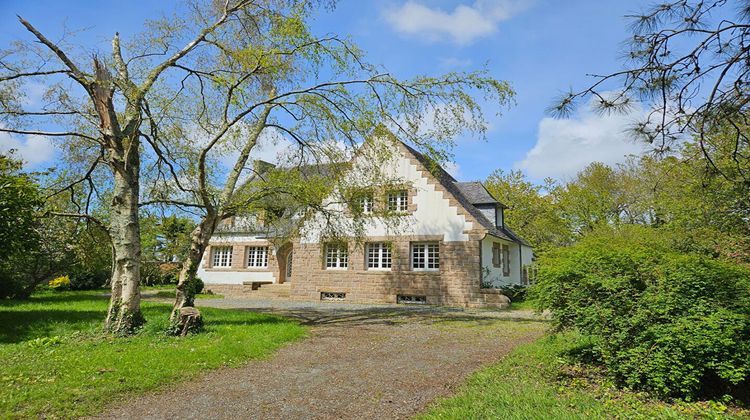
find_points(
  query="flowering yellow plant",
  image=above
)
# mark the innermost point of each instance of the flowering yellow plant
(62, 282)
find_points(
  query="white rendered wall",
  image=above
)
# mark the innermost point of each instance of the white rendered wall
(495, 274)
(433, 215)
(229, 275)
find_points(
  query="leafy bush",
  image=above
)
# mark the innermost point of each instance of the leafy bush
(60, 283)
(89, 279)
(515, 292)
(676, 325)
(158, 273)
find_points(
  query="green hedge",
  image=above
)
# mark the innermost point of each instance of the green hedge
(675, 325)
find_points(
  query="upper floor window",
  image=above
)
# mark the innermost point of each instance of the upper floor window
(398, 201)
(257, 256)
(425, 256)
(379, 256)
(366, 203)
(337, 256)
(222, 256)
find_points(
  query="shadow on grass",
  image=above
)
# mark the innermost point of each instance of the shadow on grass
(57, 297)
(17, 326)
(317, 316)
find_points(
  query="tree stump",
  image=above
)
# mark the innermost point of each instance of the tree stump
(189, 320)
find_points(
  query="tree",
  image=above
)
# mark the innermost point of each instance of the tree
(20, 199)
(273, 77)
(689, 62)
(532, 209)
(101, 110)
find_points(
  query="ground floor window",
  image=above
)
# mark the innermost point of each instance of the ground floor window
(425, 256)
(257, 256)
(222, 256)
(379, 256)
(337, 256)
(506, 260)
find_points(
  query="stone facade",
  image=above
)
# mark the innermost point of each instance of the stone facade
(455, 283)
(439, 214)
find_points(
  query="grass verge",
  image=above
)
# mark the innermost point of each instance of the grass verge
(57, 363)
(534, 382)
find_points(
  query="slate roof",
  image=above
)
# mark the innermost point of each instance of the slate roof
(468, 194)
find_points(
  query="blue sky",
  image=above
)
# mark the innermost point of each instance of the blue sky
(542, 47)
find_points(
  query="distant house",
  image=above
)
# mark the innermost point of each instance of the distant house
(452, 250)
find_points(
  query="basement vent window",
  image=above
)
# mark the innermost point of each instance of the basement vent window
(332, 295)
(408, 299)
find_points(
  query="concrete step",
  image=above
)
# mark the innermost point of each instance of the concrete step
(271, 290)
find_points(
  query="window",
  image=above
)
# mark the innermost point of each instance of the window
(398, 201)
(506, 260)
(337, 256)
(409, 299)
(332, 296)
(222, 256)
(497, 255)
(378, 256)
(366, 203)
(425, 256)
(257, 256)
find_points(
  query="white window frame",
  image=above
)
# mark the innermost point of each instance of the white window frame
(221, 256)
(256, 257)
(367, 203)
(425, 256)
(379, 256)
(336, 256)
(398, 201)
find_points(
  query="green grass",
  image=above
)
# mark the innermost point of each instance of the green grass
(534, 382)
(523, 305)
(57, 363)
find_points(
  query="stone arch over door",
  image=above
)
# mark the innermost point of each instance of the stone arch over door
(283, 257)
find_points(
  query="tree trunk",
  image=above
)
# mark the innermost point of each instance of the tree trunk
(124, 315)
(199, 238)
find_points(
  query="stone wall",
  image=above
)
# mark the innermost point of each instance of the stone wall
(456, 283)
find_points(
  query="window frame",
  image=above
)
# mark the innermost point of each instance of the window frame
(366, 203)
(341, 258)
(262, 256)
(400, 200)
(497, 255)
(427, 260)
(383, 257)
(220, 258)
(506, 260)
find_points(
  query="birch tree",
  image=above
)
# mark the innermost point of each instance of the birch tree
(266, 73)
(97, 112)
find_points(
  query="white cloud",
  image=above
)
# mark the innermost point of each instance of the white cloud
(33, 150)
(463, 25)
(455, 62)
(565, 146)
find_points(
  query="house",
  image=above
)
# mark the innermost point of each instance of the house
(452, 249)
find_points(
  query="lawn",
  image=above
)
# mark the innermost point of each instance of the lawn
(534, 382)
(57, 363)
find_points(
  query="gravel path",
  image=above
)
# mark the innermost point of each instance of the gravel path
(360, 361)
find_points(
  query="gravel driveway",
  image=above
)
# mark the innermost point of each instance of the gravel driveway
(360, 361)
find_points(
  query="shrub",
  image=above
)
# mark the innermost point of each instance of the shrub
(158, 273)
(60, 283)
(515, 292)
(89, 280)
(676, 325)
